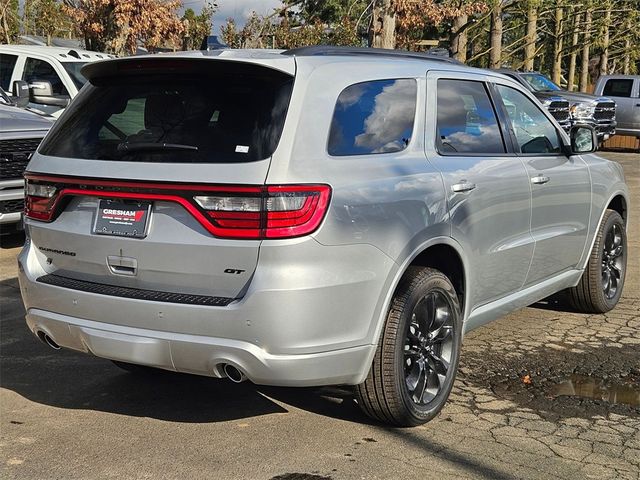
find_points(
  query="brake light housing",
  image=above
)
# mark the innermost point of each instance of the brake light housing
(226, 211)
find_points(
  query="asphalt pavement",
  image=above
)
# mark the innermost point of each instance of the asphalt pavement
(541, 393)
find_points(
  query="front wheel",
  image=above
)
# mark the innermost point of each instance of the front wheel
(601, 283)
(417, 356)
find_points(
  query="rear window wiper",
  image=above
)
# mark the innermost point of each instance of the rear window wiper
(125, 147)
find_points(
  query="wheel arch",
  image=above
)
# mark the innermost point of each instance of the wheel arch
(619, 204)
(442, 253)
(446, 259)
(437, 252)
(617, 201)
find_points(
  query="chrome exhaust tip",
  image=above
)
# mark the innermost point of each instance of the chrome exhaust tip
(48, 340)
(233, 374)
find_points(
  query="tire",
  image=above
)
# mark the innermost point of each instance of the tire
(141, 370)
(602, 281)
(409, 357)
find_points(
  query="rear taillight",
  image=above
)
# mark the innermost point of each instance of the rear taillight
(249, 212)
(271, 212)
(40, 199)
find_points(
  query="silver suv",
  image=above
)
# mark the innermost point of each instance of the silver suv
(311, 217)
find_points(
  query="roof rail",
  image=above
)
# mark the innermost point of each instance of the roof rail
(320, 50)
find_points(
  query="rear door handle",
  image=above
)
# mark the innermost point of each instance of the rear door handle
(463, 186)
(540, 179)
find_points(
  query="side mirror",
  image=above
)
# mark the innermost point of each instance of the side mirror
(41, 92)
(20, 93)
(583, 139)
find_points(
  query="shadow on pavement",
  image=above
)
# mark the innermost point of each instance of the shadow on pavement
(338, 402)
(66, 379)
(557, 303)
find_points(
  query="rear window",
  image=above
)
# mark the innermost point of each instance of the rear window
(221, 113)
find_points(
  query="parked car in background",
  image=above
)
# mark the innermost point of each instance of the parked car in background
(21, 131)
(585, 109)
(52, 73)
(625, 91)
(558, 106)
(318, 216)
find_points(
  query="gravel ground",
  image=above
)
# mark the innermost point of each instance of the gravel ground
(65, 415)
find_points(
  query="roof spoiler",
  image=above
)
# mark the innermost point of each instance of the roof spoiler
(326, 50)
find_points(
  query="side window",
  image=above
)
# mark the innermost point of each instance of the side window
(373, 117)
(618, 87)
(39, 70)
(128, 122)
(533, 130)
(466, 120)
(7, 62)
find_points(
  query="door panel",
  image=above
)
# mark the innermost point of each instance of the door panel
(488, 191)
(560, 214)
(560, 187)
(491, 221)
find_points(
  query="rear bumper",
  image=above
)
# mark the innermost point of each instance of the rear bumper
(200, 355)
(306, 321)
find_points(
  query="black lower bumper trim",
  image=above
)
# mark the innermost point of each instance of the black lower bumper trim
(133, 293)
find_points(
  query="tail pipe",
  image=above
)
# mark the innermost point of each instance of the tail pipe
(235, 375)
(45, 338)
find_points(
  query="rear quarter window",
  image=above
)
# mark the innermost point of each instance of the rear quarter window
(373, 117)
(221, 113)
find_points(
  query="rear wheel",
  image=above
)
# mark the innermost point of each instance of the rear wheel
(601, 284)
(417, 355)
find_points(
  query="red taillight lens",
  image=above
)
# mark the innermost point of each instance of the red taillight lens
(243, 212)
(293, 211)
(272, 212)
(40, 199)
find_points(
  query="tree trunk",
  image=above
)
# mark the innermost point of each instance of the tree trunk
(556, 72)
(584, 67)
(627, 52)
(574, 54)
(495, 54)
(604, 58)
(530, 44)
(382, 30)
(459, 38)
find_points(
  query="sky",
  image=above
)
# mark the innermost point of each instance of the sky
(239, 10)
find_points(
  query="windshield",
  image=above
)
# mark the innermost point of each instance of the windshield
(73, 69)
(4, 98)
(539, 83)
(219, 113)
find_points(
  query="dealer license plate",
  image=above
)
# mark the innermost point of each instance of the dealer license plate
(122, 218)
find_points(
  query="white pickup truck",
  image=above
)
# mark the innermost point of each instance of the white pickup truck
(53, 73)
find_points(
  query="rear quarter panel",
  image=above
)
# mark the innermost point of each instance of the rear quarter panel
(394, 202)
